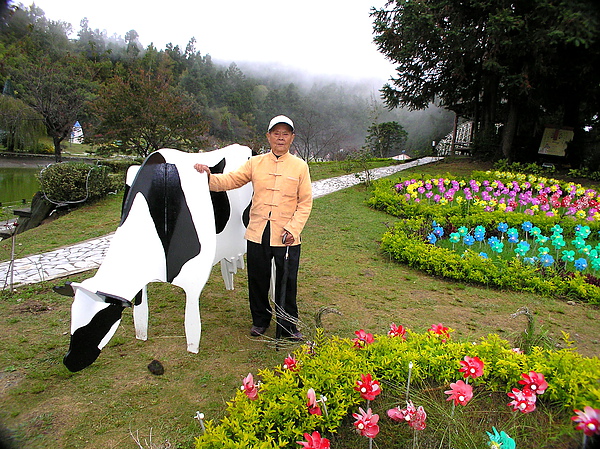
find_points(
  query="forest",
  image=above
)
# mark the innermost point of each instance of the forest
(135, 100)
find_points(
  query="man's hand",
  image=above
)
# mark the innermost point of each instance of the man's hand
(287, 238)
(201, 168)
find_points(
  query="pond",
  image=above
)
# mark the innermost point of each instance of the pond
(18, 184)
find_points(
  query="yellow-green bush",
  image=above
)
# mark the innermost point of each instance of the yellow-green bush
(279, 416)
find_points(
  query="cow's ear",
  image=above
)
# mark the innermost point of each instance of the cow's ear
(219, 168)
(65, 290)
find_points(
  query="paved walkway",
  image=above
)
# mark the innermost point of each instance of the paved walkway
(89, 254)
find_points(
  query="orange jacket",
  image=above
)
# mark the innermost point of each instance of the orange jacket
(282, 194)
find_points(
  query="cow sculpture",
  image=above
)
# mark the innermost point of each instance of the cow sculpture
(173, 230)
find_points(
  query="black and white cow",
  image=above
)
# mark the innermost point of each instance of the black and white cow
(172, 229)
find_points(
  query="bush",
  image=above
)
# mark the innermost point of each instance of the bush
(279, 415)
(75, 182)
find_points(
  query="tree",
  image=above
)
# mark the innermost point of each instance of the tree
(144, 113)
(57, 90)
(386, 139)
(519, 64)
(21, 125)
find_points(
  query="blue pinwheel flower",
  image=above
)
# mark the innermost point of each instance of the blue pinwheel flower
(526, 226)
(438, 231)
(581, 264)
(479, 235)
(546, 260)
(513, 235)
(431, 238)
(502, 227)
(483, 255)
(468, 240)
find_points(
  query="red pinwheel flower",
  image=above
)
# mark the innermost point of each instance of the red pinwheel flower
(249, 387)
(290, 363)
(367, 387)
(534, 382)
(460, 393)
(439, 329)
(415, 417)
(362, 339)
(313, 407)
(472, 367)
(366, 423)
(397, 331)
(588, 420)
(314, 441)
(523, 401)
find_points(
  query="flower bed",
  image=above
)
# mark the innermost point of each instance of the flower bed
(540, 237)
(318, 388)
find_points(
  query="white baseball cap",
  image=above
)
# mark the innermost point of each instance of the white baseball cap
(281, 119)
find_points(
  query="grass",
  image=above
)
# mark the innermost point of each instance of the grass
(44, 405)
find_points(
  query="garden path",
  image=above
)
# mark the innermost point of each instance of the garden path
(89, 254)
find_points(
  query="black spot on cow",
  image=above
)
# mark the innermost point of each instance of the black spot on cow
(220, 201)
(160, 184)
(83, 349)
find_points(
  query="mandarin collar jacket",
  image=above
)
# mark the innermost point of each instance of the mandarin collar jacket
(282, 194)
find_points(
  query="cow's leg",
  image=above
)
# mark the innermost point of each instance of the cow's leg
(193, 325)
(140, 314)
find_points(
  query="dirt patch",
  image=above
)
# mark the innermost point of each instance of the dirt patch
(9, 380)
(32, 306)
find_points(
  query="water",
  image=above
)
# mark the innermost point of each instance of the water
(18, 184)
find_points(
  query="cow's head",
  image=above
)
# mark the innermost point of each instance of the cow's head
(95, 318)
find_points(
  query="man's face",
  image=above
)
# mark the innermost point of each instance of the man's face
(280, 138)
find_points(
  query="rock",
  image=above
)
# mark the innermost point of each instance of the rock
(40, 210)
(156, 368)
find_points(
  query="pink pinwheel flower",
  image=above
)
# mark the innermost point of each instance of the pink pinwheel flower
(362, 339)
(313, 407)
(588, 420)
(290, 363)
(314, 441)
(460, 393)
(366, 423)
(402, 414)
(471, 367)
(439, 329)
(397, 331)
(523, 401)
(415, 417)
(249, 387)
(418, 421)
(534, 382)
(367, 387)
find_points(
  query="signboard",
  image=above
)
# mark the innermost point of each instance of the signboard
(555, 140)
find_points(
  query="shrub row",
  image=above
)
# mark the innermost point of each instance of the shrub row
(279, 416)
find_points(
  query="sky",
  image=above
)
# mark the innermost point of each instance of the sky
(325, 37)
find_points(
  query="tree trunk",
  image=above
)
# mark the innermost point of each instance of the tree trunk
(510, 128)
(57, 150)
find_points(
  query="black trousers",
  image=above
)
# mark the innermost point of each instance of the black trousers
(259, 257)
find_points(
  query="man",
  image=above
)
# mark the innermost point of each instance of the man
(281, 205)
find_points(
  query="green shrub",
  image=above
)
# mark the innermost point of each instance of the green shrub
(279, 416)
(74, 182)
(405, 243)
